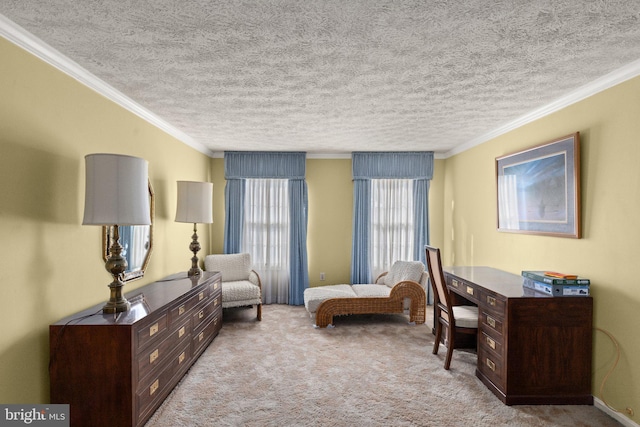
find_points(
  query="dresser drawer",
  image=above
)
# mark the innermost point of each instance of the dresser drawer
(201, 314)
(207, 331)
(153, 331)
(184, 309)
(155, 355)
(491, 366)
(157, 386)
(216, 288)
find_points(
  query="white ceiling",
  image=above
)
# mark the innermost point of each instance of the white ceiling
(335, 76)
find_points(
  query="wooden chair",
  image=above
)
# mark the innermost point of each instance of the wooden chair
(458, 319)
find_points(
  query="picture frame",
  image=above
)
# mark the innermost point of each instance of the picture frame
(538, 189)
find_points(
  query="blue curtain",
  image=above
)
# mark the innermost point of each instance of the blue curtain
(241, 165)
(416, 165)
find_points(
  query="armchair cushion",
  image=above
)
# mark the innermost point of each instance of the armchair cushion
(232, 266)
(404, 270)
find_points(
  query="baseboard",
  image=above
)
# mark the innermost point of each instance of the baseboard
(622, 419)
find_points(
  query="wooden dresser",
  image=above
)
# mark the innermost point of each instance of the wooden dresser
(532, 348)
(116, 369)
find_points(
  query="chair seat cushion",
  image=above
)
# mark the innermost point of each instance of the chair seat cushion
(371, 290)
(313, 297)
(466, 316)
(240, 290)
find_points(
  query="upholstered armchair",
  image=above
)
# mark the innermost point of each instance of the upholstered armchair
(241, 286)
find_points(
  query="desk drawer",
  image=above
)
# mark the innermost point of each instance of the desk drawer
(491, 366)
(466, 290)
(493, 345)
(491, 322)
(491, 302)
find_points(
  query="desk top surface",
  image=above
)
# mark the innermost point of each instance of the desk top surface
(501, 282)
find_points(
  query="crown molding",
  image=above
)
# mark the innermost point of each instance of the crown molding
(607, 81)
(27, 41)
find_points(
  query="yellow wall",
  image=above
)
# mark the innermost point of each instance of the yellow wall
(51, 266)
(608, 252)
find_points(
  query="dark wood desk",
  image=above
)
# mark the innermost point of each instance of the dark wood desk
(532, 348)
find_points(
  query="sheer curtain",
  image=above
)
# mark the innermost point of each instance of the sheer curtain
(266, 235)
(392, 223)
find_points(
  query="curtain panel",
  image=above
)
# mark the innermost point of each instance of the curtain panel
(416, 165)
(242, 165)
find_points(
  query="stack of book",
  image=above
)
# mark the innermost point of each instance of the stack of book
(556, 284)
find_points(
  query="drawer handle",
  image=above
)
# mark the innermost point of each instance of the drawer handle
(454, 283)
(181, 357)
(200, 314)
(491, 321)
(154, 387)
(215, 302)
(153, 329)
(491, 301)
(201, 336)
(491, 343)
(181, 310)
(181, 332)
(215, 286)
(201, 296)
(153, 356)
(491, 365)
(469, 290)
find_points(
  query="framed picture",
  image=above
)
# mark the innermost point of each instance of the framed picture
(539, 189)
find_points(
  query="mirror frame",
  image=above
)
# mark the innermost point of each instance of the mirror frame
(107, 232)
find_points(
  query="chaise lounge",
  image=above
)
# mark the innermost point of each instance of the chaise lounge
(402, 287)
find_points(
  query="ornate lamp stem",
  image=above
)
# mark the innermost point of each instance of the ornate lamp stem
(116, 265)
(194, 247)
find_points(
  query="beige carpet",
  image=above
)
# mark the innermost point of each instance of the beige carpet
(367, 371)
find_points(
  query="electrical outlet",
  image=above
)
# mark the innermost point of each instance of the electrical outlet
(321, 276)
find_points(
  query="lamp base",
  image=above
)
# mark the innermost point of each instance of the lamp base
(117, 303)
(194, 247)
(116, 265)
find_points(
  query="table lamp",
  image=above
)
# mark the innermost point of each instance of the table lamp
(116, 193)
(194, 206)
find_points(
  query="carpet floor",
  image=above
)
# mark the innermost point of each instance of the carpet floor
(373, 370)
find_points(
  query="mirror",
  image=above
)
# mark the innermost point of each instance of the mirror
(136, 241)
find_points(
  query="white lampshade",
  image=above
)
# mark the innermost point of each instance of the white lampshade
(195, 201)
(116, 190)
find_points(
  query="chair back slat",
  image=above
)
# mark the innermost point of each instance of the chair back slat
(436, 274)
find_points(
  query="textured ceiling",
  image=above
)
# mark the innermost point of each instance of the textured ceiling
(335, 76)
